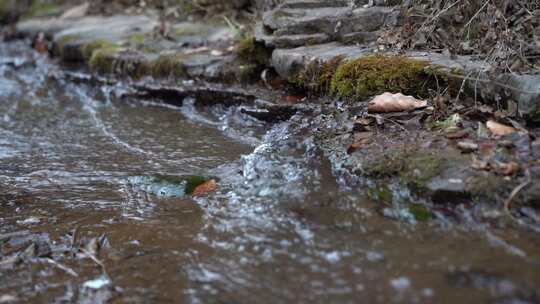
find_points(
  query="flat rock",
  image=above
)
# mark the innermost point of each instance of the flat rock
(289, 62)
(335, 19)
(96, 27)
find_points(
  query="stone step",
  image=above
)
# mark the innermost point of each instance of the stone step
(309, 4)
(330, 21)
(522, 88)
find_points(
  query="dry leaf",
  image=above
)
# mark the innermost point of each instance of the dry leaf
(389, 102)
(498, 129)
(76, 12)
(205, 189)
(294, 98)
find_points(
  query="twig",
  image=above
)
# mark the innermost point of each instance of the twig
(477, 13)
(515, 192)
(94, 259)
(66, 269)
(390, 120)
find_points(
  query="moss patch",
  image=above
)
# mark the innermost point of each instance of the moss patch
(358, 79)
(420, 212)
(136, 38)
(381, 193)
(165, 66)
(89, 49)
(414, 168)
(102, 60)
(251, 51)
(317, 76)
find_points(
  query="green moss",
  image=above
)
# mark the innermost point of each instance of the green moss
(40, 9)
(137, 38)
(420, 212)
(251, 51)
(358, 79)
(187, 31)
(99, 44)
(414, 168)
(102, 60)
(420, 168)
(317, 76)
(382, 193)
(166, 66)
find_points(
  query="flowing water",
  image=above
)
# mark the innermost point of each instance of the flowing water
(280, 229)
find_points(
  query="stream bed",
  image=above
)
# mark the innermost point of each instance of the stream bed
(282, 227)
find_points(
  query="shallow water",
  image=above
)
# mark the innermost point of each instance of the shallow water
(280, 229)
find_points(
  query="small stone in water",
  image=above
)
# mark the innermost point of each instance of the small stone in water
(29, 221)
(428, 292)
(400, 283)
(97, 283)
(374, 256)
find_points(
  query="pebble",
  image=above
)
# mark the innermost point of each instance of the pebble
(401, 283)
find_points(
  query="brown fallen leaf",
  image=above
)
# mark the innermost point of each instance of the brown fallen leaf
(205, 188)
(498, 129)
(294, 98)
(389, 102)
(360, 139)
(76, 11)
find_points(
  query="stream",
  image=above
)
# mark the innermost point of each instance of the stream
(283, 227)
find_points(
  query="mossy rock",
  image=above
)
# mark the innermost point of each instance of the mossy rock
(137, 38)
(421, 213)
(317, 77)
(361, 78)
(488, 187)
(99, 44)
(381, 193)
(164, 66)
(102, 60)
(249, 50)
(413, 168)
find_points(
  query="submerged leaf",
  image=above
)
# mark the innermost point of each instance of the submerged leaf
(168, 185)
(205, 188)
